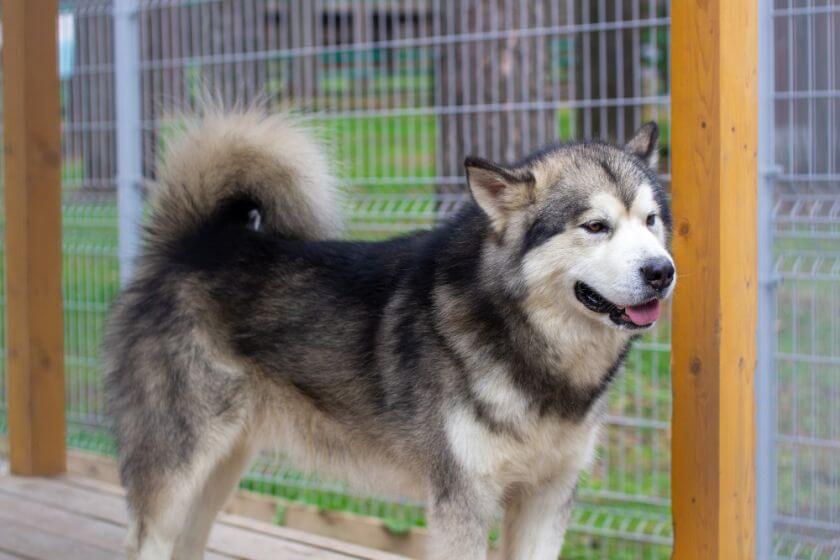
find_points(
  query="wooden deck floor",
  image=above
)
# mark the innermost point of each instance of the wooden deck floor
(78, 519)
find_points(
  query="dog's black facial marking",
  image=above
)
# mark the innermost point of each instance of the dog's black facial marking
(540, 231)
(608, 170)
(627, 194)
(557, 213)
(663, 202)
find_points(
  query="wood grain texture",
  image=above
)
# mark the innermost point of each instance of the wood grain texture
(31, 543)
(32, 146)
(715, 143)
(92, 470)
(69, 517)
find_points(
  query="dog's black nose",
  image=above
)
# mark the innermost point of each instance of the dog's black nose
(658, 273)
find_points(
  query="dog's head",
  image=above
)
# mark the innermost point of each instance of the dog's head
(585, 226)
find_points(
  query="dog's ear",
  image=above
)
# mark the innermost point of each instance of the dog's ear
(498, 190)
(645, 144)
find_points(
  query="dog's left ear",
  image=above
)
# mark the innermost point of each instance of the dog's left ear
(645, 144)
(498, 190)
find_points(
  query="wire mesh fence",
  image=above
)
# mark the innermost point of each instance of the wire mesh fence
(402, 90)
(806, 268)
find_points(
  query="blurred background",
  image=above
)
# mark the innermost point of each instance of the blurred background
(401, 91)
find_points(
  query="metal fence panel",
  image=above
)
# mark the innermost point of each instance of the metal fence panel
(806, 252)
(388, 85)
(402, 91)
(90, 227)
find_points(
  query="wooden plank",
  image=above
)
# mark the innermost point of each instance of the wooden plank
(226, 541)
(62, 523)
(83, 465)
(231, 536)
(90, 469)
(32, 147)
(84, 502)
(30, 542)
(310, 539)
(259, 546)
(714, 165)
(94, 485)
(337, 526)
(88, 530)
(98, 502)
(333, 531)
(53, 493)
(98, 472)
(250, 525)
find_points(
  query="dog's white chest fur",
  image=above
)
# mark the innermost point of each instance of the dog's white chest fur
(534, 447)
(539, 449)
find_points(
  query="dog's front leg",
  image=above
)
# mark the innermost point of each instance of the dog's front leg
(459, 518)
(536, 520)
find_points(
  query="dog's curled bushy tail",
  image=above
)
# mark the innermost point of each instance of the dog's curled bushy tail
(226, 164)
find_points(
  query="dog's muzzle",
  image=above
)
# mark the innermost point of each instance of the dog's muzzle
(638, 316)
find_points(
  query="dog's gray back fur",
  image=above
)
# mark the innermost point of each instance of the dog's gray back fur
(244, 320)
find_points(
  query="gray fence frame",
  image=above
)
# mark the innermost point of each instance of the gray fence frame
(798, 450)
(129, 146)
(764, 380)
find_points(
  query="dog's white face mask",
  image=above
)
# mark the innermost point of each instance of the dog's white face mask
(591, 225)
(614, 260)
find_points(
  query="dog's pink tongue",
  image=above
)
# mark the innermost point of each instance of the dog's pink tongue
(644, 314)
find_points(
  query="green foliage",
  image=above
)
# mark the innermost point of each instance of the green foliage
(280, 514)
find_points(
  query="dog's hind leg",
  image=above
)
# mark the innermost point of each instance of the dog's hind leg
(163, 500)
(217, 489)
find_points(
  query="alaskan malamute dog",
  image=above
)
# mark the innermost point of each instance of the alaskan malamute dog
(468, 363)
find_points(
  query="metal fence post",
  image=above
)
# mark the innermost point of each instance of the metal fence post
(129, 139)
(765, 382)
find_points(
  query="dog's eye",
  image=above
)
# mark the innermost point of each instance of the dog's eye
(595, 226)
(651, 220)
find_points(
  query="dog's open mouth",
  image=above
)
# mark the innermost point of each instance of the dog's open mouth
(631, 317)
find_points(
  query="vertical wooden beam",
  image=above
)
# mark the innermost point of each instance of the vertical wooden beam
(32, 146)
(715, 143)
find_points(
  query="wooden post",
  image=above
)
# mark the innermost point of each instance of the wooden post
(32, 145)
(714, 139)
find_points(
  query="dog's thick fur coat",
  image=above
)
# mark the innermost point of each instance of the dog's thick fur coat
(467, 364)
